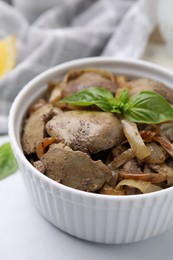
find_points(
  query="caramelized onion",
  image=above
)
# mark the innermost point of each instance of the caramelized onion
(122, 158)
(137, 144)
(41, 102)
(73, 74)
(107, 190)
(165, 144)
(163, 141)
(165, 171)
(147, 135)
(144, 187)
(45, 142)
(122, 82)
(154, 178)
(56, 95)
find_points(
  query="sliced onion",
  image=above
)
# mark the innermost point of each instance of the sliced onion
(43, 144)
(41, 102)
(137, 144)
(107, 190)
(147, 135)
(73, 74)
(163, 141)
(56, 95)
(154, 178)
(122, 158)
(122, 82)
(166, 171)
(144, 187)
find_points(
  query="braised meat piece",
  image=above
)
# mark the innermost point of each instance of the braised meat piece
(87, 131)
(166, 129)
(34, 129)
(150, 85)
(74, 168)
(131, 166)
(158, 155)
(81, 79)
(39, 166)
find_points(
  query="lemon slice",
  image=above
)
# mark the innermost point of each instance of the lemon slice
(7, 54)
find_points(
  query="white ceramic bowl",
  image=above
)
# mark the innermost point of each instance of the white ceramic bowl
(94, 217)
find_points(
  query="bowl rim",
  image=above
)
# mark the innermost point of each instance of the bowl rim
(42, 76)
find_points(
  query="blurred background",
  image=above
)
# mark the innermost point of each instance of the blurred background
(37, 35)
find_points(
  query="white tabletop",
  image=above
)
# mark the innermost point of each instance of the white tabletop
(26, 235)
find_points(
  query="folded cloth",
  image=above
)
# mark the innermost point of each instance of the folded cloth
(72, 30)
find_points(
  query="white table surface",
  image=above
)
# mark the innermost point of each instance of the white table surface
(26, 235)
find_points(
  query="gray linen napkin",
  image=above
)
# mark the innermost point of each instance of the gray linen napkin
(72, 30)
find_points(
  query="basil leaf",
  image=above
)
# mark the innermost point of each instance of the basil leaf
(149, 108)
(122, 98)
(91, 96)
(145, 107)
(119, 102)
(104, 105)
(8, 164)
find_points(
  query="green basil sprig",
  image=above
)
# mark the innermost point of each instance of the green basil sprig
(8, 164)
(145, 107)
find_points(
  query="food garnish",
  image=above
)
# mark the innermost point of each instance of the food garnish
(8, 164)
(146, 107)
